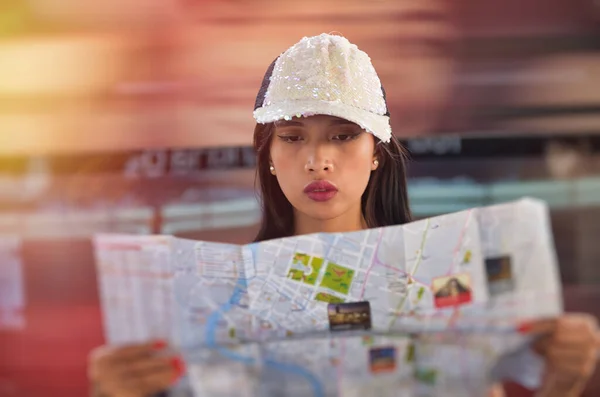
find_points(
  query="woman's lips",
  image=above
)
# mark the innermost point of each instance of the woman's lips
(320, 191)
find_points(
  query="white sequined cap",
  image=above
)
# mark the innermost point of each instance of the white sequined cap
(325, 75)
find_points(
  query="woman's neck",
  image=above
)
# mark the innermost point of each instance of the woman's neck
(341, 224)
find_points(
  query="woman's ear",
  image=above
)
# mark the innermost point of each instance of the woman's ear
(271, 167)
(376, 155)
(375, 163)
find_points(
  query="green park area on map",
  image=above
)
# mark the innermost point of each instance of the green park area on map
(337, 278)
(325, 297)
(307, 261)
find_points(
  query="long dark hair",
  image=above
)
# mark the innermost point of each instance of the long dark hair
(384, 202)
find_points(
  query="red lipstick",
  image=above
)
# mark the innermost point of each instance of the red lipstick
(320, 191)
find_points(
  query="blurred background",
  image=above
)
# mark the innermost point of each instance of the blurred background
(135, 116)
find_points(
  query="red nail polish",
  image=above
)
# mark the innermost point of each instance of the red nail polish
(159, 345)
(179, 366)
(525, 327)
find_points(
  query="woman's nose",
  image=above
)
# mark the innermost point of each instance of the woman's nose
(324, 166)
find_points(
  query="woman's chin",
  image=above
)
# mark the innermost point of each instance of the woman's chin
(322, 212)
(322, 216)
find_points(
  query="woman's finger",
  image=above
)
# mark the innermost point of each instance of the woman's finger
(575, 338)
(105, 360)
(570, 370)
(539, 327)
(557, 384)
(159, 379)
(134, 352)
(147, 366)
(572, 353)
(568, 325)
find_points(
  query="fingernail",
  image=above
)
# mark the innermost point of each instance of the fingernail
(525, 327)
(159, 345)
(179, 366)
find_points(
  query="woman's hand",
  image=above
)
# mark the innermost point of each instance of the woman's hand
(132, 371)
(496, 391)
(570, 347)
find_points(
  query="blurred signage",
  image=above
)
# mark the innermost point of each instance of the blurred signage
(144, 163)
(156, 163)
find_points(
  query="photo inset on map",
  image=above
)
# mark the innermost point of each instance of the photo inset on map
(382, 359)
(499, 275)
(452, 290)
(349, 316)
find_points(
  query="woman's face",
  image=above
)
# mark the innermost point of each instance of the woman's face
(323, 165)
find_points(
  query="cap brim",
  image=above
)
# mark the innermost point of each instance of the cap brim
(376, 124)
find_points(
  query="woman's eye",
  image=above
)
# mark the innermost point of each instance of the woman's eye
(290, 138)
(345, 137)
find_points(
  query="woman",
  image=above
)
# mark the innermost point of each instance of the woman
(327, 162)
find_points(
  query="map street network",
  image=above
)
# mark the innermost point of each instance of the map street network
(423, 307)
